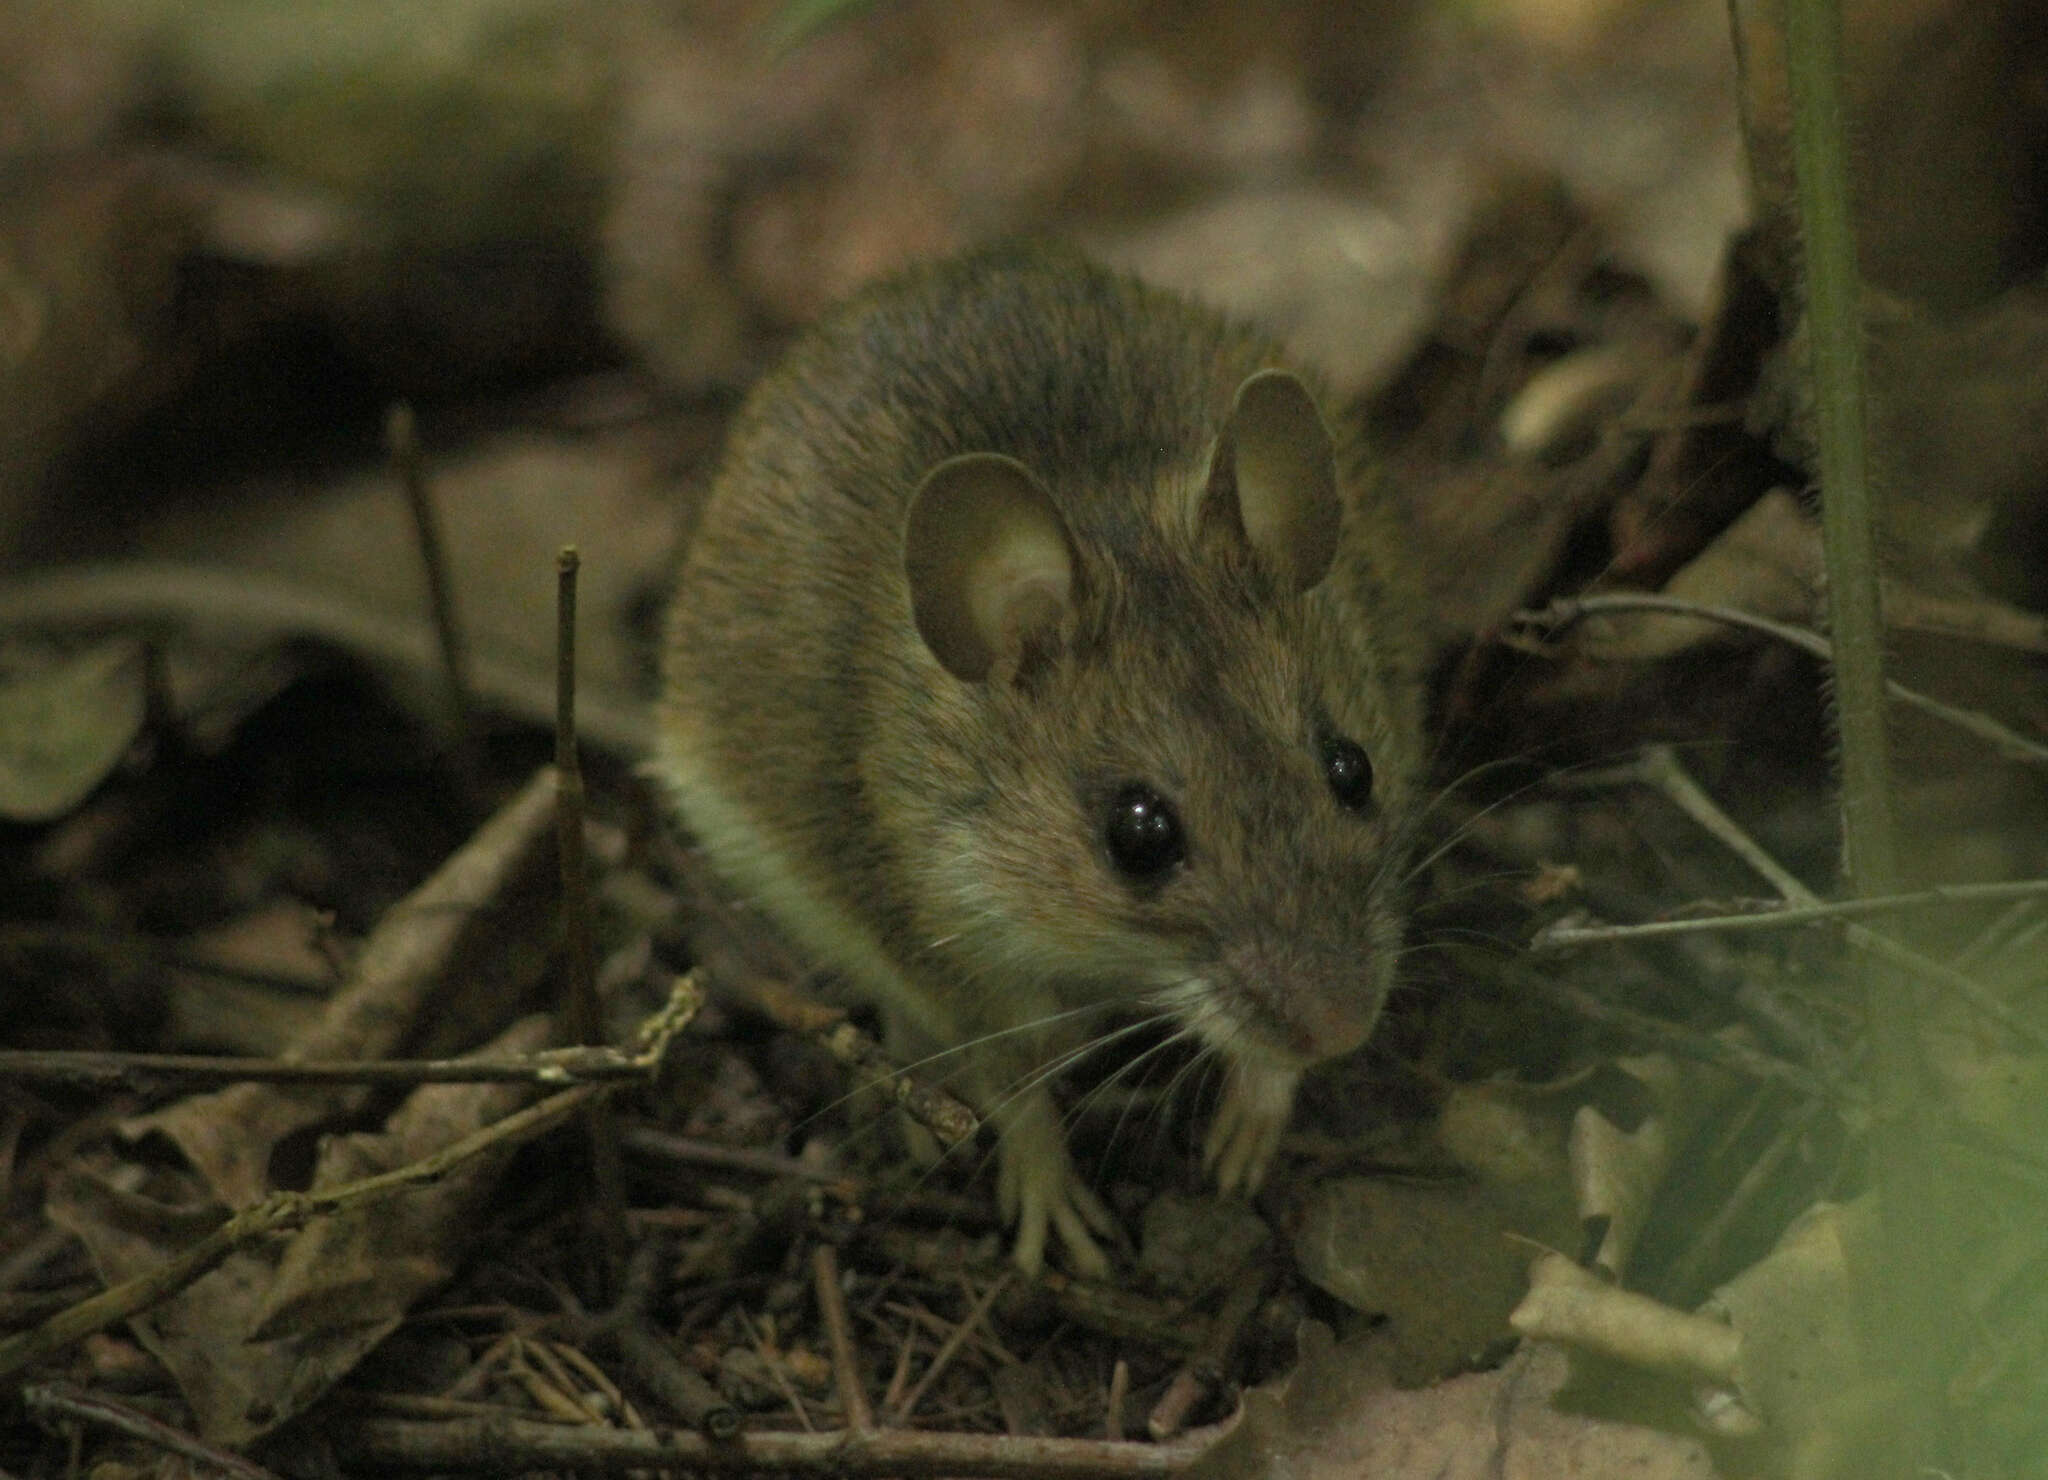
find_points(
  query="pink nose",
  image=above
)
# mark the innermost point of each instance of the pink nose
(1333, 1027)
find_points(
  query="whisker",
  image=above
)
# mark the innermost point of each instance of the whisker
(1146, 1061)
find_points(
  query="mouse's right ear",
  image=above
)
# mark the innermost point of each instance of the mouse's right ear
(1273, 481)
(990, 566)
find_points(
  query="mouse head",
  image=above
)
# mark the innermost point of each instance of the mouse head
(992, 566)
(1173, 796)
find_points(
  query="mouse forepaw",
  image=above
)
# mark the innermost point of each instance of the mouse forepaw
(1040, 1191)
(1256, 1103)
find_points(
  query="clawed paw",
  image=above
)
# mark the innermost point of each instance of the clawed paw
(1040, 1192)
(1256, 1103)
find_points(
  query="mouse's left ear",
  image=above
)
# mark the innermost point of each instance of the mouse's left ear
(1273, 480)
(990, 566)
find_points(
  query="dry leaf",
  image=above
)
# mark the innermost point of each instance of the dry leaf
(1338, 1418)
(66, 720)
(471, 922)
(264, 1334)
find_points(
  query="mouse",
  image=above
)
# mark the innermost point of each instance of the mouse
(1042, 657)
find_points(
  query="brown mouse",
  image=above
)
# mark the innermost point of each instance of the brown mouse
(1039, 653)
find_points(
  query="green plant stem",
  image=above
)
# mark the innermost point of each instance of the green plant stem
(1906, 1317)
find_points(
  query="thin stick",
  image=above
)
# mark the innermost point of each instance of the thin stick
(1732, 1054)
(582, 1012)
(1113, 1406)
(1686, 1271)
(1204, 1372)
(950, 1348)
(509, 1446)
(945, 1117)
(853, 1402)
(401, 440)
(899, 1376)
(685, 1392)
(285, 1211)
(1765, 914)
(554, 1068)
(1563, 613)
(1659, 767)
(774, 1366)
(689, 1151)
(64, 1401)
(649, 1356)
(985, 1342)
(281, 1212)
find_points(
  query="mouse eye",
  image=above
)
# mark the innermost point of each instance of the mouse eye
(1143, 832)
(1349, 772)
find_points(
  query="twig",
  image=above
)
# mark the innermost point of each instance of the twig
(511, 1446)
(285, 1211)
(1993, 623)
(540, 1371)
(281, 1212)
(651, 1359)
(1564, 612)
(950, 1348)
(1659, 767)
(899, 1375)
(689, 1151)
(554, 1068)
(582, 1376)
(683, 1392)
(768, 1360)
(401, 440)
(1118, 1312)
(582, 1012)
(1685, 1272)
(985, 1341)
(1113, 1405)
(65, 1402)
(601, 1380)
(1204, 1372)
(938, 1112)
(1749, 1062)
(853, 1400)
(1768, 914)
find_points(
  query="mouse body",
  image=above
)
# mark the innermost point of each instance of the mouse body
(1038, 653)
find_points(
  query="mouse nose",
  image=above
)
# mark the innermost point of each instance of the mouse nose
(1315, 1008)
(1333, 1019)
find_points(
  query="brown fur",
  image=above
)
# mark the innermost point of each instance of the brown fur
(943, 841)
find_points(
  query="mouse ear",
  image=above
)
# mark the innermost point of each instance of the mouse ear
(990, 565)
(1273, 481)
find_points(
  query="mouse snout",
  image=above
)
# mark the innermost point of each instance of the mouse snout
(1312, 1007)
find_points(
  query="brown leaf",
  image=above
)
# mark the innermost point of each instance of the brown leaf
(1338, 1418)
(470, 921)
(66, 720)
(266, 1332)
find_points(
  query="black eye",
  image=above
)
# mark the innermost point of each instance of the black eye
(1349, 772)
(1143, 832)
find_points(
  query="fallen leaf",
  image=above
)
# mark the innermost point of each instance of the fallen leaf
(480, 904)
(264, 1334)
(1338, 1417)
(66, 720)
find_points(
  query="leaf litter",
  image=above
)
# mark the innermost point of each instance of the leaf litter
(1639, 1153)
